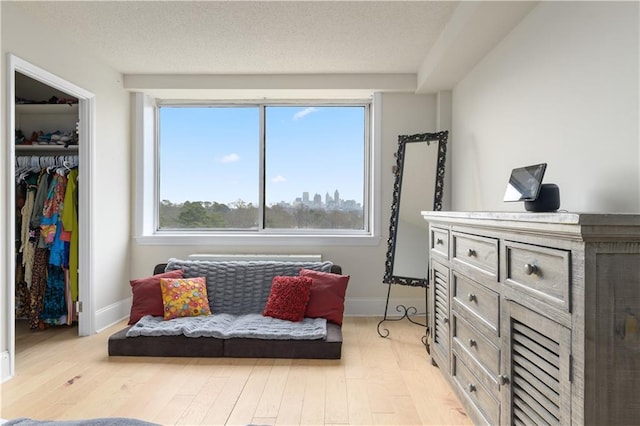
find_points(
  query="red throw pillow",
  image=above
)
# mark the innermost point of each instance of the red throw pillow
(327, 295)
(147, 296)
(288, 298)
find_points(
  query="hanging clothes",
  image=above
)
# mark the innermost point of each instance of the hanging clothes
(21, 288)
(70, 226)
(26, 248)
(43, 249)
(38, 287)
(51, 222)
(55, 307)
(23, 294)
(41, 255)
(38, 205)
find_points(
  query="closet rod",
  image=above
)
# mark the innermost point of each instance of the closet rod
(35, 163)
(46, 160)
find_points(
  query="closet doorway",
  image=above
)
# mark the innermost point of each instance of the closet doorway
(71, 107)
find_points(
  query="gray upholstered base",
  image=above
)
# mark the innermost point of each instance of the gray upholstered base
(181, 346)
(121, 345)
(102, 421)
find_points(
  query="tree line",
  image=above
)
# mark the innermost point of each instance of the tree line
(242, 215)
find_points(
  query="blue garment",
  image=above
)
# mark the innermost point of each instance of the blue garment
(56, 248)
(55, 306)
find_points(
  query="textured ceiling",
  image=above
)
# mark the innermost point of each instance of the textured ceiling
(250, 37)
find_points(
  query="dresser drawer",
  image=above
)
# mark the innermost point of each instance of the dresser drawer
(473, 342)
(473, 389)
(440, 241)
(482, 303)
(541, 272)
(476, 251)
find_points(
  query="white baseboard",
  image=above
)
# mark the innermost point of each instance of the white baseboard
(5, 366)
(112, 314)
(371, 307)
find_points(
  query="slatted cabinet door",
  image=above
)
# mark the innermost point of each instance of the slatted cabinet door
(440, 328)
(536, 384)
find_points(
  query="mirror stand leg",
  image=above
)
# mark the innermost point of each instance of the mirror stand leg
(385, 332)
(406, 313)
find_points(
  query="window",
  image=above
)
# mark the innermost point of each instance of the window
(237, 172)
(209, 167)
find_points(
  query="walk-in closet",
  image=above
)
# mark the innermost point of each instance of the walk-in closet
(47, 177)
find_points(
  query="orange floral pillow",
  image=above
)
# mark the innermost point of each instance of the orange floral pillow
(184, 297)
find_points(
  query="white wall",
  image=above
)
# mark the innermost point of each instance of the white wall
(116, 260)
(561, 88)
(38, 44)
(401, 114)
(4, 289)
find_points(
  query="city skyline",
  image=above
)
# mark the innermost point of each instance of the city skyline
(327, 202)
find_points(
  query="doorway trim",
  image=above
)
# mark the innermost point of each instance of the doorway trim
(86, 114)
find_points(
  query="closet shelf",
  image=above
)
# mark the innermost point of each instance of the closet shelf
(45, 148)
(47, 108)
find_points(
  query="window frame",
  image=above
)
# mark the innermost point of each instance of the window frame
(148, 197)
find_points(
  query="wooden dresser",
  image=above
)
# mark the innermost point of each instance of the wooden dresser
(535, 317)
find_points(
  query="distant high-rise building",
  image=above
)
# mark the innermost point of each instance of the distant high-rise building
(336, 198)
(350, 205)
(317, 199)
(305, 198)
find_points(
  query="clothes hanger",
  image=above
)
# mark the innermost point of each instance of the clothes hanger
(64, 169)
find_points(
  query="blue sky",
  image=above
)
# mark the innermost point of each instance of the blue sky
(212, 154)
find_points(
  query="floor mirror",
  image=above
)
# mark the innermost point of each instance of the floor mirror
(418, 186)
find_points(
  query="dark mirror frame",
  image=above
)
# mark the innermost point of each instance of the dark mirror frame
(441, 139)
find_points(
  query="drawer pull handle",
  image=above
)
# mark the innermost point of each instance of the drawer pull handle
(472, 297)
(472, 387)
(530, 269)
(445, 320)
(503, 379)
(471, 252)
(472, 343)
(439, 242)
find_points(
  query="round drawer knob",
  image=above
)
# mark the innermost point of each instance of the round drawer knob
(472, 297)
(445, 320)
(472, 343)
(472, 387)
(439, 242)
(471, 252)
(503, 379)
(530, 269)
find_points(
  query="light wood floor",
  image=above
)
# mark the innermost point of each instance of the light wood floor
(378, 381)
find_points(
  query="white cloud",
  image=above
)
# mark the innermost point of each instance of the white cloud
(306, 111)
(279, 179)
(231, 158)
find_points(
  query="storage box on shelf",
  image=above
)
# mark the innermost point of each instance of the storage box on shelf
(534, 316)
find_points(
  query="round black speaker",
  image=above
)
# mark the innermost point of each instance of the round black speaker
(548, 199)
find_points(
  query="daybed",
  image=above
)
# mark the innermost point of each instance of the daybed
(246, 301)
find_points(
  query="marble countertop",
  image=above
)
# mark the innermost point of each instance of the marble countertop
(568, 218)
